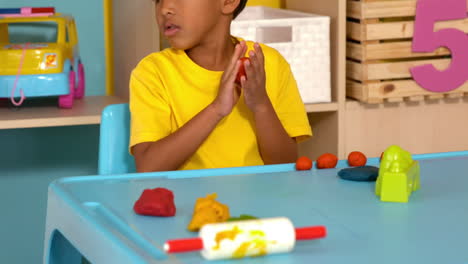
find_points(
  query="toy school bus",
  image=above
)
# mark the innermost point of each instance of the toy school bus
(39, 56)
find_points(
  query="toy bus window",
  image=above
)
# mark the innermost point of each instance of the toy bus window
(67, 36)
(32, 32)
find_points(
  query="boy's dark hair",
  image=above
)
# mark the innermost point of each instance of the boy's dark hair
(240, 7)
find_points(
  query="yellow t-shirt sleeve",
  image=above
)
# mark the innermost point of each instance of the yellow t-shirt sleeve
(149, 108)
(289, 105)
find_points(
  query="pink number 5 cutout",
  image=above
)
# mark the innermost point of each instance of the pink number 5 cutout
(426, 40)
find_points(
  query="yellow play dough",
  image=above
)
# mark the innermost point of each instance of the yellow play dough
(207, 211)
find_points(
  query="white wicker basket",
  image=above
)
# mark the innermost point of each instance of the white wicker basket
(302, 38)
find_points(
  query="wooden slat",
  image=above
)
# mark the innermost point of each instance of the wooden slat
(455, 95)
(391, 70)
(405, 29)
(396, 50)
(359, 91)
(435, 96)
(353, 9)
(393, 89)
(395, 100)
(355, 70)
(355, 31)
(392, 50)
(354, 51)
(356, 90)
(381, 9)
(399, 70)
(416, 98)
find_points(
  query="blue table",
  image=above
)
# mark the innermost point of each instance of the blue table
(93, 216)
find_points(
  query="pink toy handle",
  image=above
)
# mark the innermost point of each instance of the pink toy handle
(12, 98)
(428, 12)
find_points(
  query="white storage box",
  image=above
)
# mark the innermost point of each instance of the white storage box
(302, 38)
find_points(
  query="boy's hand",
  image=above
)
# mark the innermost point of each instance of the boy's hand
(229, 91)
(255, 95)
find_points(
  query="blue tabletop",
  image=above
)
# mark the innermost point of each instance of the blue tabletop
(431, 228)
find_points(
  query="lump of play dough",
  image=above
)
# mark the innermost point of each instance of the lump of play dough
(364, 173)
(327, 161)
(357, 159)
(207, 211)
(303, 163)
(155, 202)
(242, 217)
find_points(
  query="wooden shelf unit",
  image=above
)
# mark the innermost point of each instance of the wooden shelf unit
(328, 137)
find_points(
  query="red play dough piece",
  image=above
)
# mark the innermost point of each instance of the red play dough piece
(327, 161)
(241, 71)
(155, 202)
(303, 163)
(357, 159)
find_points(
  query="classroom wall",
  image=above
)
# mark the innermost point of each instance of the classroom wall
(29, 160)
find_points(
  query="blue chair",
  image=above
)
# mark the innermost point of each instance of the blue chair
(114, 157)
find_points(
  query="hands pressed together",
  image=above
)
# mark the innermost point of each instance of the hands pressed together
(252, 85)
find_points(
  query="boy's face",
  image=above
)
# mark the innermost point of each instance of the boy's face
(187, 23)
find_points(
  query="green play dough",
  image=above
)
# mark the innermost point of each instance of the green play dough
(242, 218)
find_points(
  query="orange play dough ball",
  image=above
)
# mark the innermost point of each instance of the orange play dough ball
(303, 163)
(327, 161)
(357, 159)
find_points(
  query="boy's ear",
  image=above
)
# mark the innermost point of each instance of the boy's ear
(229, 6)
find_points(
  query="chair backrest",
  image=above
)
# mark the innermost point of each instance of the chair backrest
(114, 157)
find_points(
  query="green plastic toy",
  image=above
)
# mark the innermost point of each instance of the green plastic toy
(399, 176)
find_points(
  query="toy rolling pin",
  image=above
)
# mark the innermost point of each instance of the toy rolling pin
(251, 238)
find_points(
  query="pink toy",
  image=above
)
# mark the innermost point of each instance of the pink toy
(12, 98)
(27, 12)
(428, 12)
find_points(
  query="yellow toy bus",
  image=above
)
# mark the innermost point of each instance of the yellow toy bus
(39, 56)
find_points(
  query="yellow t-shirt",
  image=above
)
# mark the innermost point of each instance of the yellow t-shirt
(167, 89)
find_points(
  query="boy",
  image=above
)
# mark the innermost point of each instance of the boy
(189, 112)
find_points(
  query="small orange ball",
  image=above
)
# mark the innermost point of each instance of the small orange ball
(357, 159)
(327, 161)
(303, 163)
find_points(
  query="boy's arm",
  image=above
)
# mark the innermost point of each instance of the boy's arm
(171, 152)
(274, 142)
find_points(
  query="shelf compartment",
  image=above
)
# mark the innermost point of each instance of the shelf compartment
(45, 113)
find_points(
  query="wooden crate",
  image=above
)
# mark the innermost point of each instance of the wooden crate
(379, 52)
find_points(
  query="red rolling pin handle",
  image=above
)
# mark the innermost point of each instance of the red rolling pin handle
(313, 232)
(183, 245)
